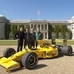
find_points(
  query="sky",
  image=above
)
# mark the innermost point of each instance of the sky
(28, 9)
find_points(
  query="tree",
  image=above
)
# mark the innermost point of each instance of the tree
(56, 30)
(21, 25)
(63, 31)
(7, 30)
(13, 30)
(53, 28)
(28, 26)
(69, 33)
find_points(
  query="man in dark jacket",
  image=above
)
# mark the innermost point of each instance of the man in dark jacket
(27, 38)
(20, 36)
(33, 38)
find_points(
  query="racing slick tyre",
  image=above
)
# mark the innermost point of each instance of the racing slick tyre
(8, 52)
(30, 60)
(67, 50)
(60, 53)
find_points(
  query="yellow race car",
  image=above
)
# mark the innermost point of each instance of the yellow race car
(29, 57)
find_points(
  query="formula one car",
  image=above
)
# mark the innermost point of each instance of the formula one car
(29, 57)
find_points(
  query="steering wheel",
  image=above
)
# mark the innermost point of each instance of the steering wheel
(45, 45)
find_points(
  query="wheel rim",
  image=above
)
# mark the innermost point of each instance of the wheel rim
(10, 53)
(31, 60)
(70, 51)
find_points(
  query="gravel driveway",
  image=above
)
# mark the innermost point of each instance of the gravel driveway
(61, 65)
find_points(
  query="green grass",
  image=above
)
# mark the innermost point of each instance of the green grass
(8, 42)
(14, 42)
(71, 42)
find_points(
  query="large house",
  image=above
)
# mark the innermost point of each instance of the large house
(44, 25)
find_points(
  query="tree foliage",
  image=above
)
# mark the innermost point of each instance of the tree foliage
(63, 31)
(7, 30)
(21, 25)
(28, 26)
(69, 33)
(56, 30)
(13, 30)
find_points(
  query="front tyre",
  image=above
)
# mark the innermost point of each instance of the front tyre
(30, 60)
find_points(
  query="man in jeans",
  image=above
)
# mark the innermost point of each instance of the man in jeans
(19, 36)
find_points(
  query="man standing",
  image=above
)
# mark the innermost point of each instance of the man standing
(39, 36)
(20, 36)
(27, 38)
(33, 38)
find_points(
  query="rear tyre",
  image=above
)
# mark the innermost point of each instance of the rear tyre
(67, 50)
(30, 60)
(60, 53)
(8, 52)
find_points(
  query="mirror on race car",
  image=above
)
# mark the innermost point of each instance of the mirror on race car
(53, 46)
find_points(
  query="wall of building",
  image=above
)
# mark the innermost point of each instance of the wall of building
(45, 28)
(2, 26)
(42, 24)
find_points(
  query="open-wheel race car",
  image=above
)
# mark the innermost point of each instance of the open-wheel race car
(28, 58)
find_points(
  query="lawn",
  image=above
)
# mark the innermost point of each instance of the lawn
(14, 42)
(8, 42)
(71, 42)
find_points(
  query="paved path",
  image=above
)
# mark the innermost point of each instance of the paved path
(61, 65)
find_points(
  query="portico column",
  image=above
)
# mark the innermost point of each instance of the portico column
(47, 35)
(47, 26)
(72, 29)
(40, 26)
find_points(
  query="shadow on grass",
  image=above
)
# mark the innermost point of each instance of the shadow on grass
(39, 66)
(72, 54)
(16, 70)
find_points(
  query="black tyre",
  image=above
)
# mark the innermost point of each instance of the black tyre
(8, 52)
(67, 50)
(30, 60)
(60, 53)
